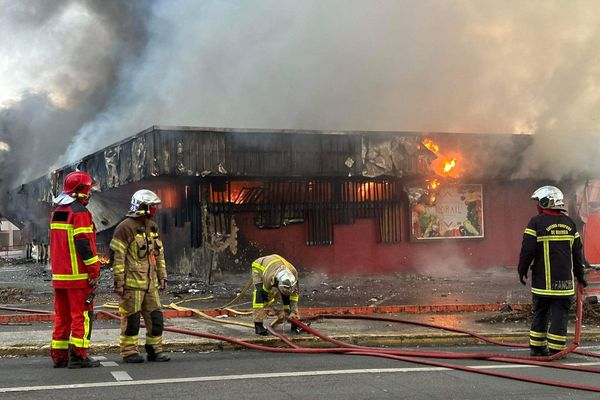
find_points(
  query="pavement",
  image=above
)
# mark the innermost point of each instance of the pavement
(26, 329)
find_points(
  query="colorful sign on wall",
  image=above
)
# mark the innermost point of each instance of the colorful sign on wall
(457, 213)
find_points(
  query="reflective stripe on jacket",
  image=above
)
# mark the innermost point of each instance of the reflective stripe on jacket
(73, 246)
(553, 244)
(139, 261)
(263, 271)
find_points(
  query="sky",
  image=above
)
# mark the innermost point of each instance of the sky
(78, 75)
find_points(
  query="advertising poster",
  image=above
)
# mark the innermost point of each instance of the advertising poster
(457, 213)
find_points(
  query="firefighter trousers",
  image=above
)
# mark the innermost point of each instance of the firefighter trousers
(72, 323)
(132, 305)
(556, 311)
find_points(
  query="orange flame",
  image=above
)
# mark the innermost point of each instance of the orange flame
(433, 184)
(443, 165)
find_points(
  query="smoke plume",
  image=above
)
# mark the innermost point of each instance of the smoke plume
(79, 75)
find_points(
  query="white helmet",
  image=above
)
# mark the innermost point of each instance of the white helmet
(285, 281)
(141, 202)
(549, 198)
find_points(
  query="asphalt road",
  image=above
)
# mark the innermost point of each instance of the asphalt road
(257, 375)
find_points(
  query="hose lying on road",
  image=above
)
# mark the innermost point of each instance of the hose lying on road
(414, 356)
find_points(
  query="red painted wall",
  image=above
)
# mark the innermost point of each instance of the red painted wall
(507, 209)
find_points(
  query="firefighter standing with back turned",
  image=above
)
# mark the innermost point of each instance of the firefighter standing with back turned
(75, 269)
(272, 275)
(552, 243)
(139, 272)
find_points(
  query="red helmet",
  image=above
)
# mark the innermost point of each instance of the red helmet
(79, 183)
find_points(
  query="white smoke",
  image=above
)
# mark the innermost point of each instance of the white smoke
(465, 66)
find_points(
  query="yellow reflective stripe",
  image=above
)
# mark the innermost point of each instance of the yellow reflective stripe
(274, 261)
(142, 235)
(65, 227)
(294, 297)
(256, 304)
(153, 340)
(117, 245)
(80, 342)
(570, 238)
(553, 292)
(64, 277)
(556, 337)
(538, 342)
(118, 269)
(91, 261)
(286, 307)
(547, 264)
(87, 326)
(537, 334)
(85, 229)
(576, 235)
(555, 346)
(265, 288)
(258, 266)
(128, 339)
(136, 283)
(60, 344)
(530, 232)
(71, 241)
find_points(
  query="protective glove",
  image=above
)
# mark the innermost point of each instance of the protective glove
(583, 281)
(523, 279)
(293, 316)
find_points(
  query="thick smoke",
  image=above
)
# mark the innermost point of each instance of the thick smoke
(59, 66)
(466, 66)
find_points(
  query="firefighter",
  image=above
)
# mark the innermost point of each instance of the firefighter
(139, 273)
(273, 276)
(551, 242)
(75, 269)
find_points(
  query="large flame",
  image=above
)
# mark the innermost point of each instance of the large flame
(443, 165)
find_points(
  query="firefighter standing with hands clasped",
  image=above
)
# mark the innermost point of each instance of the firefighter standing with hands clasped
(75, 269)
(272, 275)
(139, 272)
(551, 242)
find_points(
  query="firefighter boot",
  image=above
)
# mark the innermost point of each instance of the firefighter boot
(134, 358)
(151, 355)
(77, 361)
(538, 351)
(260, 329)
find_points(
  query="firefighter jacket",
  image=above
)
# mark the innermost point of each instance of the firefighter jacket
(73, 247)
(263, 277)
(552, 243)
(139, 261)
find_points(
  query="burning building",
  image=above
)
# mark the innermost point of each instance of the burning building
(336, 202)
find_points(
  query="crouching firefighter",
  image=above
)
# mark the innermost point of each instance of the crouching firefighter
(75, 270)
(273, 276)
(139, 272)
(551, 242)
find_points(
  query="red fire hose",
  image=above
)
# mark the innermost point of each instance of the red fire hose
(420, 357)
(412, 356)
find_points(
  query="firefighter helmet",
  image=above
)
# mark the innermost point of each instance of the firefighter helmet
(285, 281)
(142, 201)
(76, 186)
(549, 198)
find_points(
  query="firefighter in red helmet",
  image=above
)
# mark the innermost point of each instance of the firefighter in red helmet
(75, 269)
(552, 250)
